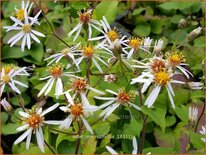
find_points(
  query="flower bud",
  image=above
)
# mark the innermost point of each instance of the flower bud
(182, 23)
(195, 85)
(194, 33)
(6, 105)
(110, 78)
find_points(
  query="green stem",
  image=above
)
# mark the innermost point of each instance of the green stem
(49, 147)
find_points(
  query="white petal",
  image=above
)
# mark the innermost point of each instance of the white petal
(130, 53)
(16, 40)
(97, 65)
(23, 127)
(28, 41)
(15, 37)
(14, 88)
(35, 38)
(171, 98)
(87, 125)
(23, 136)
(113, 107)
(106, 104)
(40, 141)
(84, 99)
(135, 146)
(75, 28)
(49, 109)
(104, 98)
(38, 33)
(111, 150)
(111, 91)
(23, 43)
(66, 123)
(53, 122)
(135, 106)
(28, 140)
(69, 98)
(153, 96)
(96, 91)
(45, 87)
(24, 114)
(49, 87)
(59, 87)
(77, 33)
(20, 83)
(16, 20)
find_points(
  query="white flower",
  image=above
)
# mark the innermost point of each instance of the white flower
(56, 72)
(33, 122)
(203, 133)
(193, 112)
(177, 60)
(133, 44)
(121, 98)
(80, 87)
(7, 77)
(77, 112)
(67, 52)
(110, 78)
(195, 85)
(161, 79)
(85, 18)
(158, 46)
(134, 151)
(92, 53)
(147, 43)
(26, 31)
(6, 105)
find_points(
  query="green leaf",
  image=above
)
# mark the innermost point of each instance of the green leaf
(66, 147)
(78, 5)
(36, 150)
(142, 29)
(156, 26)
(108, 9)
(196, 141)
(10, 128)
(170, 5)
(26, 98)
(178, 36)
(105, 140)
(101, 128)
(89, 147)
(182, 96)
(9, 8)
(170, 120)
(137, 11)
(200, 41)
(176, 18)
(37, 52)
(17, 149)
(182, 112)
(4, 117)
(157, 115)
(197, 94)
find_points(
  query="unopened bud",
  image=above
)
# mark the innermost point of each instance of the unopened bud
(6, 105)
(194, 33)
(182, 23)
(195, 85)
(110, 78)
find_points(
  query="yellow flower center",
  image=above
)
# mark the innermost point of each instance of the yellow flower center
(34, 120)
(157, 65)
(175, 58)
(162, 78)
(112, 34)
(6, 79)
(135, 43)
(56, 70)
(20, 14)
(26, 28)
(85, 17)
(77, 110)
(79, 85)
(88, 51)
(7, 69)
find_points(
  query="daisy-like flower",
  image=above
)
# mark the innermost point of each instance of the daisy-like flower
(26, 31)
(134, 144)
(77, 111)
(147, 43)
(121, 98)
(56, 71)
(85, 19)
(7, 77)
(33, 121)
(177, 60)
(193, 112)
(133, 44)
(91, 53)
(195, 85)
(161, 79)
(68, 52)
(110, 78)
(203, 133)
(79, 86)
(6, 105)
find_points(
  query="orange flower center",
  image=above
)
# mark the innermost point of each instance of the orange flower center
(35, 120)
(162, 78)
(79, 85)
(157, 65)
(88, 51)
(77, 110)
(20, 14)
(56, 71)
(85, 17)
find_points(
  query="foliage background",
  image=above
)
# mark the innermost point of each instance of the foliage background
(165, 132)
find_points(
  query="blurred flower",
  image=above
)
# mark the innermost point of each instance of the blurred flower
(56, 72)
(203, 133)
(122, 98)
(161, 79)
(147, 43)
(177, 60)
(193, 112)
(6, 105)
(77, 111)
(33, 121)
(91, 53)
(79, 86)
(194, 33)
(158, 46)
(195, 85)
(8, 75)
(134, 151)
(110, 78)
(85, 18)
(67, 52)
(182, 23)
(26, 31)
